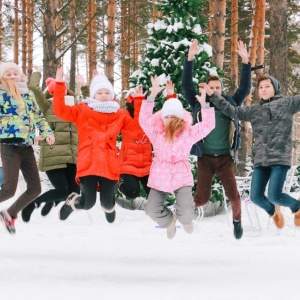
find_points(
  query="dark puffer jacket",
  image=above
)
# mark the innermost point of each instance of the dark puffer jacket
(236, 100)
(64, 149)
(272, 123)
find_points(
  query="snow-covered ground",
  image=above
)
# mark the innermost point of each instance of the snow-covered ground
(87, 258)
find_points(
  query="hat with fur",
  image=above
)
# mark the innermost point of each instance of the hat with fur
(4, 66)
(100, 82)
(172, 107)
(50, 82)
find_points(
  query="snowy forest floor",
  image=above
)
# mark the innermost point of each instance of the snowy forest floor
(87, 258)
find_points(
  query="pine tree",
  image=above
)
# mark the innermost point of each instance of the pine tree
(169, 39)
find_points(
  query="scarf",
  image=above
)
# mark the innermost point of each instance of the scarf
(107, 107)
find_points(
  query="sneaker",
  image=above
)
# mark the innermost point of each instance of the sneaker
(171, 229)
(188, 228)
(278, 217)
(46, 209)
(110, 214)
(27, 211)
(8, 221)
(68, 207)
(237, 229)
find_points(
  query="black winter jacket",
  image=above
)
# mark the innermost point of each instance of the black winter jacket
(236, 99)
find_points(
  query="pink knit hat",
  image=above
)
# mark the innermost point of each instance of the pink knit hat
(50, 82)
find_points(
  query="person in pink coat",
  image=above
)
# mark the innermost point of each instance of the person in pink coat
(172, 135)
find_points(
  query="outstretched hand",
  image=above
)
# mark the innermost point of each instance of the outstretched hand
(80, 80)
(170, 87)
(194, 49)
(138, 92)
(156, 88)
(242, 52)
(202, 98)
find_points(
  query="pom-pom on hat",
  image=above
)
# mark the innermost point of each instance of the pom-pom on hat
(172, 107)
(50, 82)
(100, 82)
(4, 66)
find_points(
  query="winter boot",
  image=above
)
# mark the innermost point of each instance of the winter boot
(139, 203)
(46, 208)
(68, 207)
(171, 229)
(278, 217)
(237, 229)
(297, 217)
(110, 214)
(27, 211)
(8, 221)
(188, 228)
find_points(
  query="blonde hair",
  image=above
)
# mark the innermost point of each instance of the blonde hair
(11, 87)
(175, 126)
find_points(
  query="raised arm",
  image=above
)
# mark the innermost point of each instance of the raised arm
(188, 87)
(244, 87)
(34, 86)
(61, 110)
(241, 113)
(146, 113)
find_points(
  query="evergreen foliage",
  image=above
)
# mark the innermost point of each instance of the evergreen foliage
(169, 39)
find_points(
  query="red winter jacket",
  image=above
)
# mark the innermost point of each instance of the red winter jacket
(97, 132)
(136, 150)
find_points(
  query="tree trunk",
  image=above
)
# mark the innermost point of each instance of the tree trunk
(30, 9)
(92, 38)
(279, 42)
(218, 35)
(125, 44)
(73, 47)
(111, 24)
(261, 9)
(24, 33)
(234, 41)
(16, 34)
(50, 38)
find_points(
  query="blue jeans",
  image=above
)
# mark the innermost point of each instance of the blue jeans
(275, 175)
(1, 177)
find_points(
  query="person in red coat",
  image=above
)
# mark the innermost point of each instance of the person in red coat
(99, 121)
(135, 153)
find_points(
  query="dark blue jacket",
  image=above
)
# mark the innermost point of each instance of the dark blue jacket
(236, 99)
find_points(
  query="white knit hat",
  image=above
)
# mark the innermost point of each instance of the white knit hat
(4, 66)
(100, 82)
(172, 107)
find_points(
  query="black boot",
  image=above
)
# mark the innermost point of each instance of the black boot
(27, 211)
(237, 229)
(46, 209)
(110, 214)
(69, 206)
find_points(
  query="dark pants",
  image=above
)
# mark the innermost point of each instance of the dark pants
(208, 166)
(13, 160)
(131, 185)
(88, 187)
(276, 176)
(63, 181)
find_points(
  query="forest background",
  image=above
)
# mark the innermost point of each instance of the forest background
(120, 37)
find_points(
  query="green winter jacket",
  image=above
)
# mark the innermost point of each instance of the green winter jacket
(64, 149)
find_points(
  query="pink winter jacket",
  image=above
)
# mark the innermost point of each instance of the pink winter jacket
(171, 169)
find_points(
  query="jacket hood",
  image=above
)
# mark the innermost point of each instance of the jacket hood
(158, 122)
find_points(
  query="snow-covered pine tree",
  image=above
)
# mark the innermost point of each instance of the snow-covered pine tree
(170, 37)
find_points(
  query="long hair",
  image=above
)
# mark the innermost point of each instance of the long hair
(175, 126)
(12, 89)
